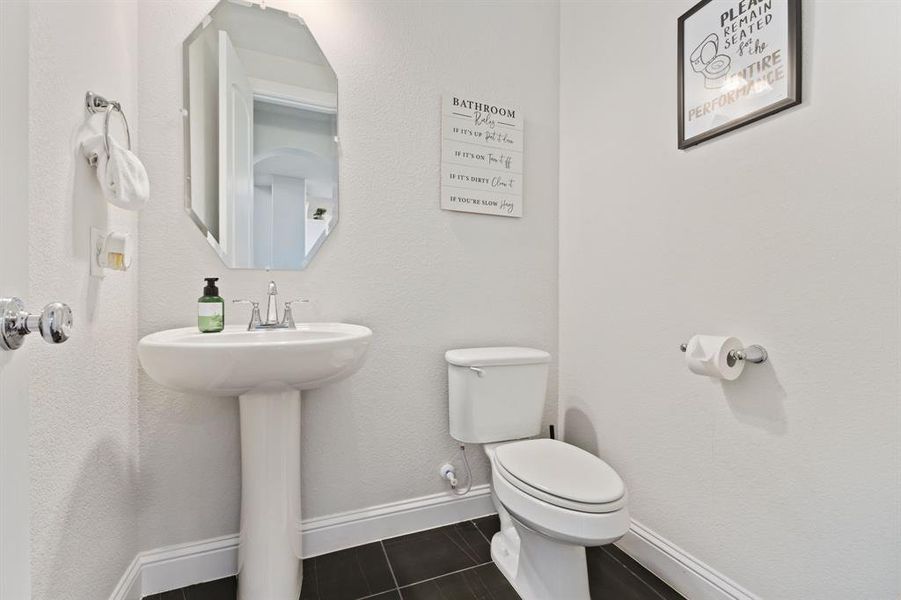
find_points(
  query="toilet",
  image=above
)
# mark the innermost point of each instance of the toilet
(553, 499)
(706, 60)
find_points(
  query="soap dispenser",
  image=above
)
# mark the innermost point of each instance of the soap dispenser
(210, 308)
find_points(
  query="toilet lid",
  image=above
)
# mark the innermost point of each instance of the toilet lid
(561, 470)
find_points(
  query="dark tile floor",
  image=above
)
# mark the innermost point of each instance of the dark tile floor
(448, 563)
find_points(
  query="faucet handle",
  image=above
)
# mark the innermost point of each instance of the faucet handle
(288, 319)
(253, 303)
(254, 312)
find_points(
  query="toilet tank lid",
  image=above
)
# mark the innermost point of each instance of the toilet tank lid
(488, 357)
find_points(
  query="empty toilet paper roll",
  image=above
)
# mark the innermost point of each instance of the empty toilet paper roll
(709, 355)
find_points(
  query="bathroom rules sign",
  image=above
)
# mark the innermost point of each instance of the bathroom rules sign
(481, 157)
(739, 61)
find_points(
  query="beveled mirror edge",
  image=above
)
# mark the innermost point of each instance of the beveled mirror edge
(186, 126)
(186, 121)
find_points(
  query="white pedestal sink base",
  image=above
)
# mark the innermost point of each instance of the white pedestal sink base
(269, 565)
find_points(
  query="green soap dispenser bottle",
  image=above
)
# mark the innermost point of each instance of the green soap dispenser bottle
(210, 308)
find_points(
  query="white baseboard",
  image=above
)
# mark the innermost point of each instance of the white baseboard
(173, 567)
(129, 586)
(346, 530)
(186, 564)
(683, 572)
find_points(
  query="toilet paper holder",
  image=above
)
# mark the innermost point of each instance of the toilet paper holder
(754, 353)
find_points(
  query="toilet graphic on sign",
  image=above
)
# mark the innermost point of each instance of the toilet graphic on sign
(706, 61)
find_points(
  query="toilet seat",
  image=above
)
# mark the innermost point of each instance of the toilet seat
(565, 525)
(561, 474)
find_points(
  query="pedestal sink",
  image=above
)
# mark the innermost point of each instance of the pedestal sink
(266, 370)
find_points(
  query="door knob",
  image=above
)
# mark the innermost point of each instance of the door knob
(54, 323)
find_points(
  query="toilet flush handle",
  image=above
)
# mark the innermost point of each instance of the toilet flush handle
(478, 371)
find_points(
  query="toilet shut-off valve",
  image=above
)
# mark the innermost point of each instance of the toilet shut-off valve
(449, 474)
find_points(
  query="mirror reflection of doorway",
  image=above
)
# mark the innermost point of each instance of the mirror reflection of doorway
(262, 137)
(295, 184)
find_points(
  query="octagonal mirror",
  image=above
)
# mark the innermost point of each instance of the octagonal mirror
(261, 151)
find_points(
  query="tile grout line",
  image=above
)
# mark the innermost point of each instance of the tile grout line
(485, 537)
(391, 569)
(634, 574)
(313, 564)
(465, 552)
(446, 574)
(377, 594)
(362, 571)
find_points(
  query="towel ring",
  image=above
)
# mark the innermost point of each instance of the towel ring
(96, 103)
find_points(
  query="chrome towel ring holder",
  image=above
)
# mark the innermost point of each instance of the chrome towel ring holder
(96, 103)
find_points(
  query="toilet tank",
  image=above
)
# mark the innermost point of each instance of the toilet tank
(496, 394)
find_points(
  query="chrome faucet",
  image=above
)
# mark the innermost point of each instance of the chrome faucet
(272, 306)
(272, 321)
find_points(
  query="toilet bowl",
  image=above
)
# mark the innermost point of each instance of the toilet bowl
(553, 499)
(706, 60)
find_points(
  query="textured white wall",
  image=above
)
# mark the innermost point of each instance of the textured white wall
(424, 280)
(783, 233)
(83, 393)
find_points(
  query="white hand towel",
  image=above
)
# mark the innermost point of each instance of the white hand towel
(123, 177)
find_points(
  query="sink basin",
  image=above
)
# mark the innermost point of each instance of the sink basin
(236, 361)
(267, 371)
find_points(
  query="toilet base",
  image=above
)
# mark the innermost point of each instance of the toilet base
(538, 567)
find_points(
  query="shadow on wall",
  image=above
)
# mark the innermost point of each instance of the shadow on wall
(579, 430)
(86, 543)
(757, 398)
(178, 428)
(89, 207)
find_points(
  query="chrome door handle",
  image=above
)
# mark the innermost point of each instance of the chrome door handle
(54, 323)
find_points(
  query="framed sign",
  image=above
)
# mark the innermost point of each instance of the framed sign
(481, 157)
(739, 61)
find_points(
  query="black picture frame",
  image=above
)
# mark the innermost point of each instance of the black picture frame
(794, 83)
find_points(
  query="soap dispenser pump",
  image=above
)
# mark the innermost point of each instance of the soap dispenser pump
(210, 308)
